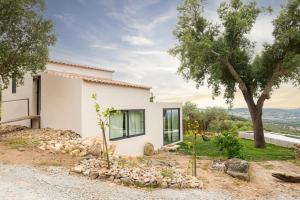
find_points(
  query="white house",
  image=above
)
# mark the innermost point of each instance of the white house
(61, 98)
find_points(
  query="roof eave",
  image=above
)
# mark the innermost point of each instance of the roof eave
(79, 66)
(131, 85)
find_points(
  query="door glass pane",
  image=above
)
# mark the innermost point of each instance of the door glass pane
(171, 126)
(175, 125)
(118, 125)
(136, 122)
(167, 126)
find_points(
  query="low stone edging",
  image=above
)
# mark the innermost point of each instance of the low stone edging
(135, 172)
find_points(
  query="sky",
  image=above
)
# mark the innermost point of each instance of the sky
(132, 37)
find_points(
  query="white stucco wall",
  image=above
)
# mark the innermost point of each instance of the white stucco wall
(16, 109)
(81, 71)
(61, 103)
(125, 98)
(67, 104)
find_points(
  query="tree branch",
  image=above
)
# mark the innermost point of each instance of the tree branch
(268, 88)
(235, 75)
(215, 53)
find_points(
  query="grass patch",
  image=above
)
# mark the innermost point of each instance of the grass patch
(167, 173)
(21, 142)
(129, 162)
(16, 143)
(49, 163)
(249, 152)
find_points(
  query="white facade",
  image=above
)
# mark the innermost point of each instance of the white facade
(25, 94)
(66, 103)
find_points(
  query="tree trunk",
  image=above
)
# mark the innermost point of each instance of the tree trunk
(106, 149)
(258, 129)
(287, 178)
(194, 171)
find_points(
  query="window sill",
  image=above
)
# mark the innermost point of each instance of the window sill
(127, 137)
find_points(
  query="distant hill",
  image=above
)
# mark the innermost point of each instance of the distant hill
(286, 117)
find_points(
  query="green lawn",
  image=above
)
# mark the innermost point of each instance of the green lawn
(250, 153)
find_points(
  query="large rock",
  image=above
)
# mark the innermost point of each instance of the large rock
(237, 168)
(75, 152)
(239, 175)
(78, 169)
(237, 165)
(218, 165)
(95, 149)
(56, 147)
(148, 149)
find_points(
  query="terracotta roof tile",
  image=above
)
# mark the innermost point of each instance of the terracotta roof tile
(79, 66)
(95, 79)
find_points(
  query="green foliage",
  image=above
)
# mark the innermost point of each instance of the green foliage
(213, 119)
(230, 144)
(249, 152)
(229, 125)
(102, 116)
(190, 111)
(25, 36)
(212, 114)
(224, 56)
(218, 126)
(208, 119)
(103, 120)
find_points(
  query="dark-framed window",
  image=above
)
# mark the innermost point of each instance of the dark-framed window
(171, 125)
(126, 123)
(14, 85)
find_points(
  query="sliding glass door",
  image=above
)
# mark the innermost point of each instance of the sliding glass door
(171, 125)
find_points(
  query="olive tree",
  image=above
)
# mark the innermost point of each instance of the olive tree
(224, 56)
(25, 35)
(103, 122)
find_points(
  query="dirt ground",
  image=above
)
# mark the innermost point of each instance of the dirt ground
(261, 186)
(28, 154)
(35, 157)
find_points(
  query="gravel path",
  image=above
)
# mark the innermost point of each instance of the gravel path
(29, 183)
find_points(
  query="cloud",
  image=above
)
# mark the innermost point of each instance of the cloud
(137, 40)
(133, 15)
(102, 46)
(132, 38)
(262, 32)
(144, 27)
(66, 18)
(149, 52)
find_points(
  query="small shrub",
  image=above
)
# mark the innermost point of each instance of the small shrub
(167, 173)
(229, 143)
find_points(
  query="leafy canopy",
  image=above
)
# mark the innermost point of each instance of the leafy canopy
(25, 36)
(224, 56)
(190, 111)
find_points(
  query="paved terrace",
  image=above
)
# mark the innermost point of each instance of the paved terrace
(273, 138)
